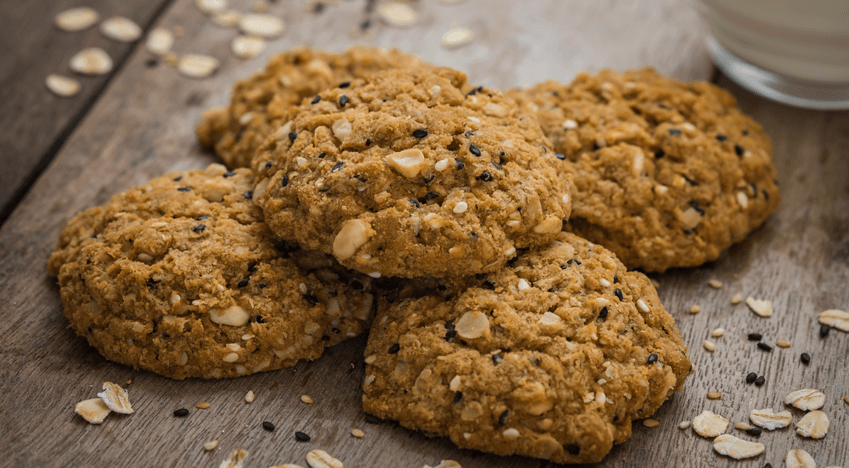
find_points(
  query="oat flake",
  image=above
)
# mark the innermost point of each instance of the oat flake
(247, 46)
(735, 448)
(806, 400)
(253, 24)
(120, 29)
(799, 459)
(709, 424)
(160, 41)
(235, 459)
(94, 410)
(397, 14)
(91, 61)
(762, 308)
(770, 421)
(76, 19)
(814, 425)
(116, 398)
(197, 65)
(322, 459)
(834, 318)
(62, 85)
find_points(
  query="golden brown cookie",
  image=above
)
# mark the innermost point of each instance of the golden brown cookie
(260, 102)
(667, 174)
(404, 174)
(181, 277)
(550, 357)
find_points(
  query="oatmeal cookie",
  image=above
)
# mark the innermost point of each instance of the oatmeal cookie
(667, 174)
(550, 357)
(405, 174)
(260, 102)
(181, 277)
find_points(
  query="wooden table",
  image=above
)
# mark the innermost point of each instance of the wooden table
(62, 155)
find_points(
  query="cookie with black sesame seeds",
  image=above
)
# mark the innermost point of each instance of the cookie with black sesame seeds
(667, 174)
(412, 176)
(259, 103)
(180, 276)
(550, 357)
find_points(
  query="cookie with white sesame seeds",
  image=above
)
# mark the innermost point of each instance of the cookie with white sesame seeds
(552, 356)
(181, 276)
(667, 174)
(260, 103)
(405, 174)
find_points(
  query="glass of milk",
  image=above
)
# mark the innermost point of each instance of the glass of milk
(791, 51)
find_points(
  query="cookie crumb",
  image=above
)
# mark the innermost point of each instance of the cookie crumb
(357, 433)
(210, 445)
(651, 423)
(715, 284)
(249, 397)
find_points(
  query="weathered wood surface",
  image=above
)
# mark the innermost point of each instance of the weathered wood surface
(142, 126)
(33, 121)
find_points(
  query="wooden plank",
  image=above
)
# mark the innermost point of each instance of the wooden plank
(143, 127)
(33, 121)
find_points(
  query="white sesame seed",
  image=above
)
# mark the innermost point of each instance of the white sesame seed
(715, 284)
(709, 345)
(642, 306)
(604, 282)
(717, 332)
(523, 285)
(570, 124)
(460, 207)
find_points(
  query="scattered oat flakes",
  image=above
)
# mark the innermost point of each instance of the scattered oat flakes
(783, 344)
(76, 19)
(714, 395)
(226, 18)
(211, 6)
(247, 46)
(322, 459)
(397, 14)
(770, 421)
(249, 397)
(742, 426)
(62, 85)
(709, 424)
(651, 423)
(306, 399)
(91, 61)
(709, 345)
(457, 37)
(684, 424)
(160, 41)
(116, 398)
(235, 459)
(717, 332)
(715, 284)
(357, 433)
(197, 65)
(210, 445)
(834, 318)
(762, 308)
(806, 400)
(798, 458)
(202, 405)
(120, 29)
(735, 448)
(695, 309)
(814, 425)
(94, 410)
(253, 24)
(736, 299)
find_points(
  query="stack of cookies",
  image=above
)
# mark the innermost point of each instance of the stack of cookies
(378, 184)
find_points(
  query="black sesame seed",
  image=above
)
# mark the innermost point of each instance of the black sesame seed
(373, 419)
(344, 84)
(202, 217)
(336, 331)
(496, 165)
(414, 203)
(151, 283)
(460, 164)
(768, 465)
(337, 166)
(243, 283)
(754, 431)
(285, 180)
(184, 189)
(343, 100)
(764, 346)
(292, 136)
(739, 150)
(302, 436)
(449, 325)
(652, 358)
(457, 397)
(474, 149)
(691, 182)
(229, 174)
(805, 358)
(325, 338)
(659, 154)
(696, 207)
(489, 284)
(450, 334)
(721, 137)
(268, 426)
(674, 131)
(181, 413)
(311, 299)
(824, 329)
(178, 178)
(485, 176)
(431, 196)
(252, 267)
(268, 165)
(750, 377)
(420, 133)
(150, 63)
(603, 313)
(249, 194)
(199, 228)
(760, 380)
(262, 285)
(315, 100)
(394, 348)
(259, 319)
(503, 418)
(428, 179)
(755, 337)
(560, 156)
(322, 155)
(573, 449)
(365, 24)
(618, 293)
(496, 358)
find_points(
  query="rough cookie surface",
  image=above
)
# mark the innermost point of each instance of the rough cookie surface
(181, 277)
(258, 103)
(405, 174)
(667, 174)
(550, 357)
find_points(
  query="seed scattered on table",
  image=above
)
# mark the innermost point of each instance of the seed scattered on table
(709, 345)
(760, 380)
(814, 425)
(397, 14)
(253, 24)
(247, 46)
(824, 329)
(302, 436)
(805, 358)
(695, 309)
(742, 426)
(62, 85)
(755, 337)
(91, 61)
(197, 65)
(357, 433)
(715, 284)
(754, 431)
(751, 377)
(268, 426)
(249, 397)
(202, 405)
(717, 332)
(181, 413)
(684, 424)
(651, 423)
(760, 307)
(210, 445)
(306, 399)
(76, 19)
(765, 347)
(159, 41)
(714, 395)
(322, 459)
(783, 344)
(120, 29)
(457, 37)
(736, 299)
(806, 400)
(799, 458)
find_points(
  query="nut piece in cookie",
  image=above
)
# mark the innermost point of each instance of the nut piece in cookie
(181, 276)
(557, 370)
(667, 174)
(260, 104)
(412, 173)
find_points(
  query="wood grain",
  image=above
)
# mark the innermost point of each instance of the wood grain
(34, 121)
(142, 126)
